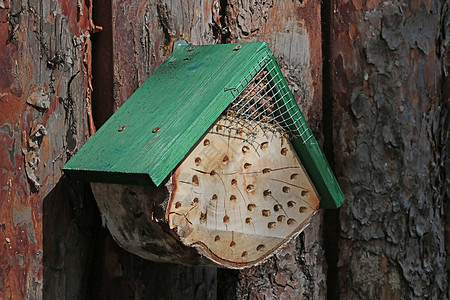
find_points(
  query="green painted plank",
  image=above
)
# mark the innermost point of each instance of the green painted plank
(319, 171)
(183, 97)
(309, 152)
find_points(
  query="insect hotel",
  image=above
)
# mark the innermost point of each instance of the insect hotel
(209, 162)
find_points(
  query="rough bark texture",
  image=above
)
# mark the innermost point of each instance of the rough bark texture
(45, 222)
(391, 120)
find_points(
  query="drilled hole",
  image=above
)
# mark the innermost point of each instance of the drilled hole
(195, 200)
(212, 173)
(291, 221)
(284, 151)
(206, 143)
(232, 244)
(271, 225)
(266, 212)
(198, 160)
(251, 207)
(245, 149)
(277, 207)
(293, 176)
(202, 218)
(214, 197)
(291, 204)
(248, 220)
(302, 209)
(234, 183)
(250, 188)
(195, 180)
(247, 166)
(304, 193)
(225, 160)
(226, 219)
(233, 198)
(260, 247)
(264, 145)
(217, 238)
(177, 205)
(266, 170)
(155, 130)
(281, 218)
(244, 254)
(286, 189)
(121, 128)
(267, 193)
(219, 128)
(239, 132)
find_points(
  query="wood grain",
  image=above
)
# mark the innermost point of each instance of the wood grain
(240, 201)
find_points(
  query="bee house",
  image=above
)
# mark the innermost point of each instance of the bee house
(209, 162)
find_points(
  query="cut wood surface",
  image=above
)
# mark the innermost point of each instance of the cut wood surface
(232, 201)
(238, 201)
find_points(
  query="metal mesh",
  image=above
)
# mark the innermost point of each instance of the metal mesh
(262, 101)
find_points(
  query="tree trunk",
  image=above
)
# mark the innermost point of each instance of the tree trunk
(293, 31)
(138, 36)
(143, 36)
(391, 121)
(46, 222)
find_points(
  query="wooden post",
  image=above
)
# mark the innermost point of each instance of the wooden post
(390, 90)
(44, 93)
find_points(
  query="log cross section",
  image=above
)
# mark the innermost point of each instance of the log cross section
(237, 202)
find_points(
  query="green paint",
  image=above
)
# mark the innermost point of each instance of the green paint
(183, 98)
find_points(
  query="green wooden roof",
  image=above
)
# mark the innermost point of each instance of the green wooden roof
(157, 126)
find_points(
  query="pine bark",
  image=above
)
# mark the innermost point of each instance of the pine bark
(46, 222)
(391, 121)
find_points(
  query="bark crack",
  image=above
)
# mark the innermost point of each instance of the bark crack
(330, 219)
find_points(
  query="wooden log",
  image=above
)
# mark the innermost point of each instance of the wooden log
(237, 197)
(45, 63)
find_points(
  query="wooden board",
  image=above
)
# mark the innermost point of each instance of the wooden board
(237, 201)
(166, 116)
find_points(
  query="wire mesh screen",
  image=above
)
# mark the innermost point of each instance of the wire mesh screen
(262, 101)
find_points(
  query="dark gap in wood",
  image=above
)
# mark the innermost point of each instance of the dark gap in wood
(102, 101)
(331, 217)
(164, 22)
(95, 278)
(445, 175)
(224, 29)
(102, 63)
(70, 216)
(227, 284)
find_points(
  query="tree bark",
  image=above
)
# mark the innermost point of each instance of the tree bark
(46, 223)
(391, 120)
